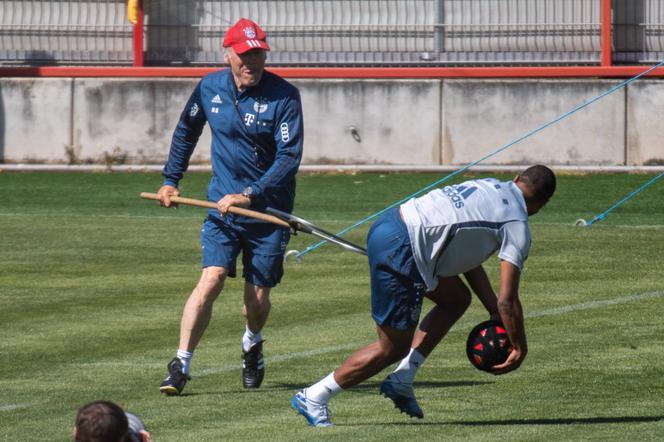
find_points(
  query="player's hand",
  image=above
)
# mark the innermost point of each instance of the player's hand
(513, 362)
(142, 436)
(145, 436)
(165, 193)
(235, 200)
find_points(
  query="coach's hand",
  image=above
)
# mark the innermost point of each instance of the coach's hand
(234, 199)
(165, 193)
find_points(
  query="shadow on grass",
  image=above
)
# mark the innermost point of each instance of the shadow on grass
(175, 396)
(564, 421)
(550, 421)
(374, 385)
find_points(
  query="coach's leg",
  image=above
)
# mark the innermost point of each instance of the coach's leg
(263, 267)
(195, 319)
(256, 309)
(198, 308)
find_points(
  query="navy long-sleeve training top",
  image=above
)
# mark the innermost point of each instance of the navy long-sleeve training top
(257, 137)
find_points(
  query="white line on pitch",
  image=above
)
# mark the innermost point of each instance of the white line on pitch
(279, 358)
(350, 346)
(596, 304)
(201, 215)
(353, 345)
(10, 407)
(549, 312)
(314, 352)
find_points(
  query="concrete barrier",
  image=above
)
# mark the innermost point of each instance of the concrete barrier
(645, 131)
(130, 120)
(35, 115)
(373, 122)
(482, 116)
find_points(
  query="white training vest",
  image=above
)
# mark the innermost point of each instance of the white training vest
(455, 229)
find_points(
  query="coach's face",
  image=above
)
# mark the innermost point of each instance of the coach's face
(247, 68)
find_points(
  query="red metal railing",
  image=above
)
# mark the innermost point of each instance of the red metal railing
(605, 69)
(432, 72)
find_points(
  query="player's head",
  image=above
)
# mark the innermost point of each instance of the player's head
(245, 49)
(101, 421)
(538, 184)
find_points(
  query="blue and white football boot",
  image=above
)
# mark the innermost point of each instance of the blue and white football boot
(316, 414)
(403, 396)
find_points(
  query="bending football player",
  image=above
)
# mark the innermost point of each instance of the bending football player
(420, 249)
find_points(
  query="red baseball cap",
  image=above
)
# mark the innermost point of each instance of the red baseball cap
(244, 36)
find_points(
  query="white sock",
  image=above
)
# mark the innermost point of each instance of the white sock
(185, 357)
(408, 366)
(250, 339)
(324, 389)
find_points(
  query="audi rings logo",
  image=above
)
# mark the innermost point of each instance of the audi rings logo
(285, 136)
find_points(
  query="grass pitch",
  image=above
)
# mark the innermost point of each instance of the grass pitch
(93, 281)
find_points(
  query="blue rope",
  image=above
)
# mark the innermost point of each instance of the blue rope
(602, 215)
(495, 152)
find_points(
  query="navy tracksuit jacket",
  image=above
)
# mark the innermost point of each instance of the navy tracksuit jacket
(257, 139)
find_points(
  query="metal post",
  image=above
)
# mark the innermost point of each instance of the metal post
(138, 37)
(607, 53)
(439, 35)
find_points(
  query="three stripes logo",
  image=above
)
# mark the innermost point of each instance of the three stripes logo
(254, 43)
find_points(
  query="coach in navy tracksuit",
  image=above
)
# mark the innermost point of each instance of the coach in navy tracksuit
(256, 122)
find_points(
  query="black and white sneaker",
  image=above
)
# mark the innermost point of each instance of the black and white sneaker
(176, 379)
(253, 367)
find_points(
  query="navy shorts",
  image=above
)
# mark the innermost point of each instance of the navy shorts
(262, 246)
(397, 289)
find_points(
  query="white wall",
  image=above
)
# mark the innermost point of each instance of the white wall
(405, 122)
(482, 116)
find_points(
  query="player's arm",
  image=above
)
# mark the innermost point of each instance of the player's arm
(479, 282)
(511, 314)
(186, 135)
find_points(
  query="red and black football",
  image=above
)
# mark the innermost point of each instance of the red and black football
(488, 345)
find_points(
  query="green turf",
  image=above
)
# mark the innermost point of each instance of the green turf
(93, 280)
